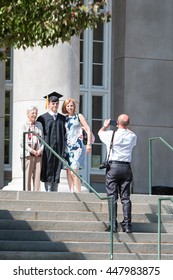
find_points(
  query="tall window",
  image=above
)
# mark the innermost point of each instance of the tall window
(97, 65)
(95, 52)
(7, 140)
(81, 58)
(97, 114)
(8, 68)
(8, 110)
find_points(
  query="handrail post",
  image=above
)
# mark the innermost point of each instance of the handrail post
(159, 228)
(111, 232)
(24, 173)
(150, 166)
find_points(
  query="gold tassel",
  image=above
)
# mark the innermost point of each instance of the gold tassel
(47, 102)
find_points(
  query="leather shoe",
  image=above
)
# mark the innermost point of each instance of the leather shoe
(127, 230)
(109, 229)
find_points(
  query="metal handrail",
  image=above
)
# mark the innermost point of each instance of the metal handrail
(150, 158)
(159, 223)
(81, 179)
(150, 189)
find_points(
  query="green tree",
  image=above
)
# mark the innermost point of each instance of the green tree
(26, 23)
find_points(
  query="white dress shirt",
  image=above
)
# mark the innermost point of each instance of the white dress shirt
(123, 143)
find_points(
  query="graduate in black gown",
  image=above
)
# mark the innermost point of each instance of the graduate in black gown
(54, 135)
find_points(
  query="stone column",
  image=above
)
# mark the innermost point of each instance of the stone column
(2, 121)
(38, 72)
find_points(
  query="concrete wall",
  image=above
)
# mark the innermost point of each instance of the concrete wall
(143, 82)
(2, 98)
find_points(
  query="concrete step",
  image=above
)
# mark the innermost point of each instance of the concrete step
(126, 256)
(26, 205)
(51, 225)
(42, 201)
(61, 196)
(87, 236)
(82, 250)
(83, 247)
(77, 216)
(21, 255)
(6, 224)
(72, 226)
(51, 206)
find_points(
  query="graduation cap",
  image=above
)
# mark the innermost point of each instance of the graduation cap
(53, 97)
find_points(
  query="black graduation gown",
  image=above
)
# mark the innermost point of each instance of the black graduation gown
(54, 136)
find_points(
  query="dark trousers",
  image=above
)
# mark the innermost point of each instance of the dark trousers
(118, 179)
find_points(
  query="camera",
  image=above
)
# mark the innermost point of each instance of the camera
(113, 122)
(104, 165)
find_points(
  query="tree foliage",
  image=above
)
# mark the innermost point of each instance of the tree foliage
(26, 23)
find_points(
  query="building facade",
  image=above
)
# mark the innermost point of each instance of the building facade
(121, 67)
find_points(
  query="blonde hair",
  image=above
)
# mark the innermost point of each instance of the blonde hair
(65, 103)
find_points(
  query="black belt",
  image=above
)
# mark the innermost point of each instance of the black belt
(119, 162)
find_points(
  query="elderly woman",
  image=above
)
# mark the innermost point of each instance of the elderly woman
(33, 149)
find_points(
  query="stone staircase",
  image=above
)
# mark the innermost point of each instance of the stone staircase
(68, 226)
